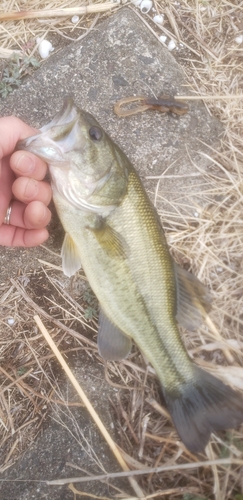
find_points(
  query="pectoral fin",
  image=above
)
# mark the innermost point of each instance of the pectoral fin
(110, 240)
(193, 299)
(112, 343)
(71, 261)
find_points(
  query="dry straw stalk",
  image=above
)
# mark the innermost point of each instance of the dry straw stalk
(34, 14)
(163, 468)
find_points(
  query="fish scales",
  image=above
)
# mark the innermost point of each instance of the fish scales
(114, 232)
(147, 260)
(134, 280)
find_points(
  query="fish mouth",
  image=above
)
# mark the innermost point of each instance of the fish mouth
(58, 137)
(67, 114)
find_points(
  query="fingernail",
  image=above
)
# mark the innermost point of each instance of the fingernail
(42, 214)
(25, 164)
(31, 189)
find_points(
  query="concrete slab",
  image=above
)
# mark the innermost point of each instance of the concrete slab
(119, 58)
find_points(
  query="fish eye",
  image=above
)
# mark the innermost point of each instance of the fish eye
(95, 133)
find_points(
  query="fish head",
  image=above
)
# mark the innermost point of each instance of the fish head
(87, 168)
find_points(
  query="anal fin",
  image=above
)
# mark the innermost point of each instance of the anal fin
(113, 344)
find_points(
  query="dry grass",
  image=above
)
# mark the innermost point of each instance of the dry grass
(209, 242)
(21, 35)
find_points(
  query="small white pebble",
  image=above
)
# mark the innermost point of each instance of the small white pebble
(158, 19)
(219, 269)
(202, 8)
(163, 38)
(196, 214)
(11, 321)
(44, 48)
(171, 45)
(239, 39)
(75, 19)
(145, 6)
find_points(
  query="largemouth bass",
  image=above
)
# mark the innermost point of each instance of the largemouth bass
(114, 232)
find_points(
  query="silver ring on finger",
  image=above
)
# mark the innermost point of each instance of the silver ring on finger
(8, 215)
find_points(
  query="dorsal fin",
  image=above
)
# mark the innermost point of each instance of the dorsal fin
(193, 299)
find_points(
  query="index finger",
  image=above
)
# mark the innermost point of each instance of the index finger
(26, 164)
(12, 129)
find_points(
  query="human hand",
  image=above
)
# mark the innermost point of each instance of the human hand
(21, 187)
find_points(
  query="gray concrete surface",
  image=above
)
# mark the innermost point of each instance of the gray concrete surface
(119, 58)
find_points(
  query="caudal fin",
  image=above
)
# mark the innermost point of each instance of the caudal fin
(203, 406)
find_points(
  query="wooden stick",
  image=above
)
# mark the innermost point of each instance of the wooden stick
(33, 14)
(89, 406)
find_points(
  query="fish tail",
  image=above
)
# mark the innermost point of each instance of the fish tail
(201, 406)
